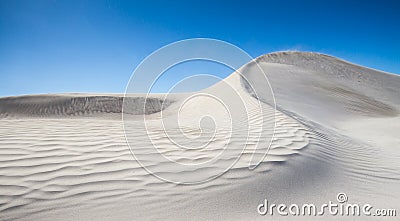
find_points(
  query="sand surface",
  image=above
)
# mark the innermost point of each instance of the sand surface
(335, 129)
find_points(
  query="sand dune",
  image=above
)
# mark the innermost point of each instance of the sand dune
(73, 105)
(335, 129)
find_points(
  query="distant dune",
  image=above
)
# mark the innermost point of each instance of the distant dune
(65, 156)
(72, 105)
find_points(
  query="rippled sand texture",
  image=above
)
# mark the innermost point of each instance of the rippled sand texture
(65, 157)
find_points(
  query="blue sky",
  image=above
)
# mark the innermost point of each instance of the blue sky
(93, 46)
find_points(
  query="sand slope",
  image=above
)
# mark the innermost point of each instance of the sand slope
(65, 156)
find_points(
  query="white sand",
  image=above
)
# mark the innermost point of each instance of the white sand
(65, 157)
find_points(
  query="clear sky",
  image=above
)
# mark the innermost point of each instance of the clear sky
(49, 46)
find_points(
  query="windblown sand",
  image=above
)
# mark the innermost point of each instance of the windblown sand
(65, 157)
